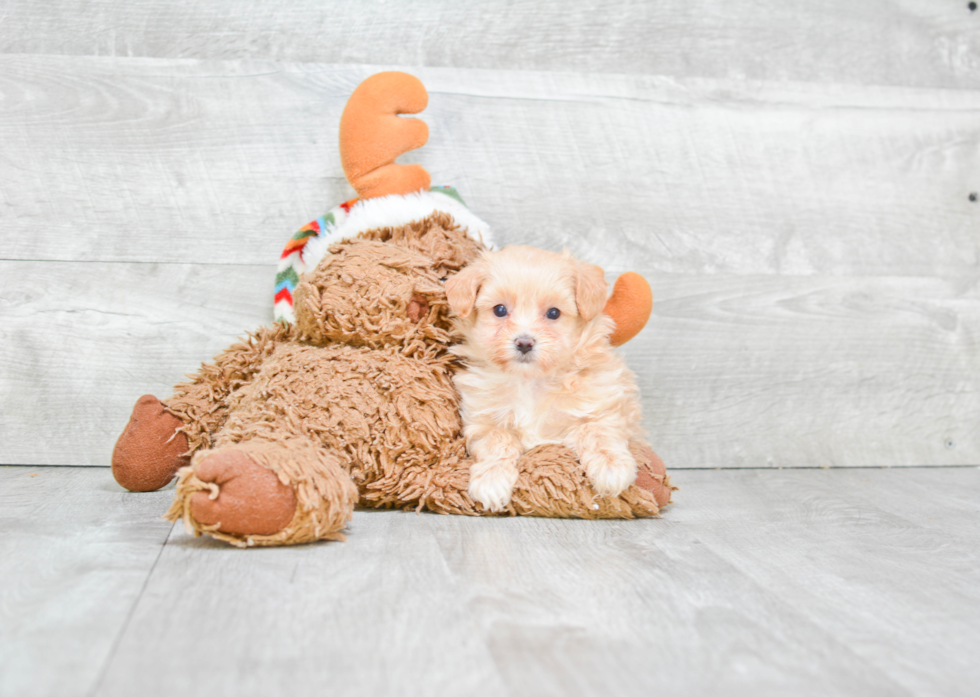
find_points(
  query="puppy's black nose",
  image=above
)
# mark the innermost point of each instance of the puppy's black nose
(524, 344)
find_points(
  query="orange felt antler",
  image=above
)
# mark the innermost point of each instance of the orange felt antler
(372, 135)
(629, 305)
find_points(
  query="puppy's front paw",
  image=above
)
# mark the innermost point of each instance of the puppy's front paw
(610, 473)
(492, 483)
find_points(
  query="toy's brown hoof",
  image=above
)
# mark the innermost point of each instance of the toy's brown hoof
(150, 450)
(251, 500)
(652, 476)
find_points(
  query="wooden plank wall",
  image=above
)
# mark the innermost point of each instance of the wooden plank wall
(794, 179)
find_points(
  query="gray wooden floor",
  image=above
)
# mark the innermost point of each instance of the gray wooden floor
(757, 582)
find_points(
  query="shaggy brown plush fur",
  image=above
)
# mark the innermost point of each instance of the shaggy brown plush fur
(355, 403)
(202, 403)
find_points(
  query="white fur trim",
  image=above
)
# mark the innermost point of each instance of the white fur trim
(392, 211)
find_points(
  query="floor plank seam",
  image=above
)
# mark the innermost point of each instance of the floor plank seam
(129, 617)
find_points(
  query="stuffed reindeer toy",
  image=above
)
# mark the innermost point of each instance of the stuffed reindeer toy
(348, 398)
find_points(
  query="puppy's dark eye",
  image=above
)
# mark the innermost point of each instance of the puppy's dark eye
(500, 311)
(553, 313)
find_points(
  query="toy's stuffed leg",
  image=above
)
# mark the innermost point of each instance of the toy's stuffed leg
(161, 436)
(151, 448)
(262, 492)
(202, 402)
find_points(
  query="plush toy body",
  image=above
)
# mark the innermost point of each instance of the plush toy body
(353, 402)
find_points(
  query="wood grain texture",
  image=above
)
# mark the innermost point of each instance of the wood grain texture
(929, 43)
(863, 553)
(754, 582)
(734, 371)
(180, 161)
(378, 616)
(785, 371)
(75, 552)
(80, 342)
(812, 247)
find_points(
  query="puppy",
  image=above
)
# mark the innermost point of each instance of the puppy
(539, 368)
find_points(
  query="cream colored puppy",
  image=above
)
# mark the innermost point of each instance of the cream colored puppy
(540, 369)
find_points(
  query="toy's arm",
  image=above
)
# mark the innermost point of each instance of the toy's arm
(629, 305)
(372, 135)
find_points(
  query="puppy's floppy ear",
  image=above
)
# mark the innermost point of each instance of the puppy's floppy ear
(590, 290)
(462, 288)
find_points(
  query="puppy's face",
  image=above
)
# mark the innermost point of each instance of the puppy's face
(524, 309)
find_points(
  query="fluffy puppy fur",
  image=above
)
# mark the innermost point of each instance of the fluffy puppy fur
(539, 368)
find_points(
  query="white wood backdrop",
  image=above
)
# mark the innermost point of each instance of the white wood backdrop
(794, 180)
